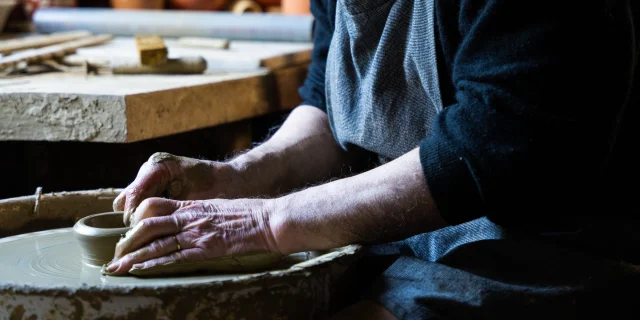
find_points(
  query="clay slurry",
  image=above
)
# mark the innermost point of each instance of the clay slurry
(54, 258)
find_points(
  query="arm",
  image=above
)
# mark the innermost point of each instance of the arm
(388, 203)
(303, 151)
(530, 126)
(383, 204)
(522, 143)
(537, 88)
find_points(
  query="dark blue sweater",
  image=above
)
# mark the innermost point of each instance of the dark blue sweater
(538, 119)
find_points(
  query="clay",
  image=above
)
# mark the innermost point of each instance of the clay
(198, 173)
(159, 157)
(98, 235)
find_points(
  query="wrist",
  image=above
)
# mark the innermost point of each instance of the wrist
(256, 172)
(280, 225)
(270, 220)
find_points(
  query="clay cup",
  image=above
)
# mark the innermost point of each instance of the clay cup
(98, 235)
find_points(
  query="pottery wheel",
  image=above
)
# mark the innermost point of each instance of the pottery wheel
(53, 258)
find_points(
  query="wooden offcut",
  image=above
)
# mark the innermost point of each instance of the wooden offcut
(54, 51)
(39, 41)
(152, 50)
(182, 65)
(201, 42)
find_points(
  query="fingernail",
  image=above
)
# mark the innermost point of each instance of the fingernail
(128, 213)
(104, 270)
(137, 267)
(113, 266)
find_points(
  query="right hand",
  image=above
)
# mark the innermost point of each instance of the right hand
(173, 177)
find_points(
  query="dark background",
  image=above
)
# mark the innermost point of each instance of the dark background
(72, 166)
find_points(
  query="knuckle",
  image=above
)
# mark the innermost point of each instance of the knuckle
(180, 256)
(146, 224)
(155, 246)
(145, 204)
(152, 205)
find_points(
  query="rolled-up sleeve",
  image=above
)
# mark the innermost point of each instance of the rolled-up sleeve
(538, 85)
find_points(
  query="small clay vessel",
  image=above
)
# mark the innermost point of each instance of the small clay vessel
(98, 235)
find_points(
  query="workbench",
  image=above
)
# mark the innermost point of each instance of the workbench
(76, 131)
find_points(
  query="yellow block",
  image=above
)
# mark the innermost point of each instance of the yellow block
(152, 50)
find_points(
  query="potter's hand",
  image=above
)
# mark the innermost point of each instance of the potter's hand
(173, 177)
(169, 231)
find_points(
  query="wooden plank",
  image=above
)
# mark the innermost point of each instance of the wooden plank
(57, 50)
(158, 114)
(120, 109)
(39, 41)
(151, 50)
(242, 56)
(210, 43)
(286, 60)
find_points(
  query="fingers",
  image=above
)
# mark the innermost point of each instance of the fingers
(118, 203)
(187, 254)
(156, 207)
(146, 231)
(152, 180)
(158, 248)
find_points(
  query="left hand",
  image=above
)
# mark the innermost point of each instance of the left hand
(168, 231)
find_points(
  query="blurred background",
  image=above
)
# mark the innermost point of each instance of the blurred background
(72, 163)
(15, 15)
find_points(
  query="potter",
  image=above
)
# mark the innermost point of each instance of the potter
(446, 131)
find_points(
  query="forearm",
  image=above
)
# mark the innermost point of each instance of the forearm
(388, 203)
(302, 152)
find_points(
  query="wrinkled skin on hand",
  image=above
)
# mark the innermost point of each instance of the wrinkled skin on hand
(203, 230)
(172, 177)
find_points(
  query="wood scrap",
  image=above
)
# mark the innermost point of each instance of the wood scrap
(53, 51)
(13, 45)
(182, 65)
(202, 42)
(151, 50)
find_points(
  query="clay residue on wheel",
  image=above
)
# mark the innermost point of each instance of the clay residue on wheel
(159, 157)
(196, 173)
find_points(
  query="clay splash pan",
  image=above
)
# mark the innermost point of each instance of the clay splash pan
(59, 257)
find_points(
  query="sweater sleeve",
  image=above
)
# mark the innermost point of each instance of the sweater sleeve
(538, 85)
(312, 91)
